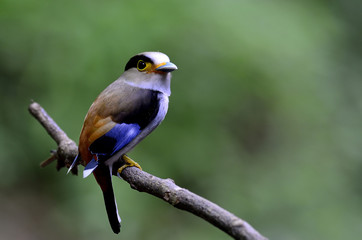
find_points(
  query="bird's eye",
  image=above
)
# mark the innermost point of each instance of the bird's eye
(141, 65)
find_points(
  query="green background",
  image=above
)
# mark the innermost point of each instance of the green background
(265, 116)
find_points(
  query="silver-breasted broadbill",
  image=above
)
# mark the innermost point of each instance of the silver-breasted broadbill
(121, 116)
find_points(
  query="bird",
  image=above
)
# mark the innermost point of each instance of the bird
(121, 116)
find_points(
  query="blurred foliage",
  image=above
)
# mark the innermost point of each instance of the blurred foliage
(265, 116)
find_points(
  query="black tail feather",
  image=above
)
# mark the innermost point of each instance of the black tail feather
(103, 177)
(111, 208)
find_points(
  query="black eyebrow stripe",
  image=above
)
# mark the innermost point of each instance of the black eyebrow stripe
(134, 60)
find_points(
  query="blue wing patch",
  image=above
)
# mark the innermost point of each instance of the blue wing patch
(115, 139)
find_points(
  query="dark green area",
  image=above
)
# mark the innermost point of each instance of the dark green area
(265, 116)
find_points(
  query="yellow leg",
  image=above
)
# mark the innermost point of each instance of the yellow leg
(128, 162)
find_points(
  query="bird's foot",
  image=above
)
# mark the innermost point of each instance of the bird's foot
(128, 162)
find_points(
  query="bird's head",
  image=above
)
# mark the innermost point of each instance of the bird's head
(150, 70)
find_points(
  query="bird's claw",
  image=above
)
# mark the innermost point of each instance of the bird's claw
(128, 162)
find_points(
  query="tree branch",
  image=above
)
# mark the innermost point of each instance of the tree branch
(142, 181)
